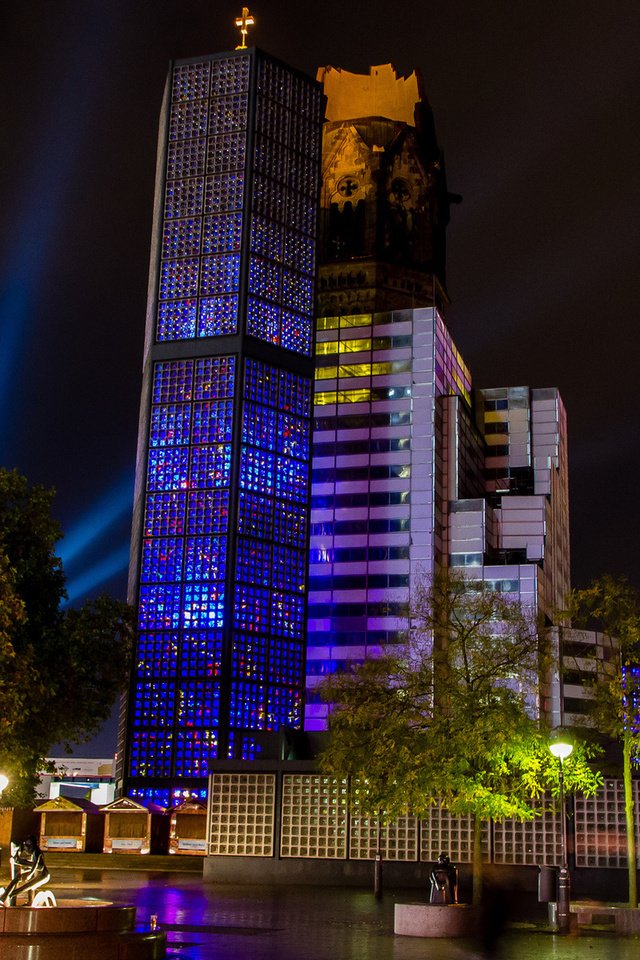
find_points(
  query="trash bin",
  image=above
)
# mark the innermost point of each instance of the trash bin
(547, 884)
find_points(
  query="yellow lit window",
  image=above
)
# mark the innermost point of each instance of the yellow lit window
(327, 323)
(326, 373)
(353, 396)
(355, 346)
(355, 369)
(329, 346)
(321, 399)
(356, 320)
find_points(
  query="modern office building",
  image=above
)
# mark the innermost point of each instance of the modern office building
(219, 550)
(412, 469)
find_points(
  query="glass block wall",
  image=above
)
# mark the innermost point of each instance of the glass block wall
(219, 568)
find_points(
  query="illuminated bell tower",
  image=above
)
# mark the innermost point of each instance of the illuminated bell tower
(219, 551)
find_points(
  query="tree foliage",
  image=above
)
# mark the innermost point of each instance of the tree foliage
(612, 606)
(449, 716)
(60, 668)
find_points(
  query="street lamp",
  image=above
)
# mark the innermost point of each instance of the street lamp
(561, 747)
(4, 782)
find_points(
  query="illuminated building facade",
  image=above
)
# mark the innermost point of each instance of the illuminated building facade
(219, 551)
(412, 470)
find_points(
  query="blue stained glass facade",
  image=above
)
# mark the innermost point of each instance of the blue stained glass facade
(223, 487)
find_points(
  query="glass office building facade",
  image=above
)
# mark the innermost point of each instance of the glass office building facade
(220, 538)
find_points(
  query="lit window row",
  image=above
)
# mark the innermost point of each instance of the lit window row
(171, 468)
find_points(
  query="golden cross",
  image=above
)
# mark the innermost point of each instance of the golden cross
(243, 23)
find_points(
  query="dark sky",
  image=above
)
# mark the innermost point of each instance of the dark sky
(537, 110)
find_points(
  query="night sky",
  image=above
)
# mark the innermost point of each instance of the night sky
(537, 110)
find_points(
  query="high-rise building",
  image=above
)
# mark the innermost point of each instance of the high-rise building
(219, 549)
(413, 471)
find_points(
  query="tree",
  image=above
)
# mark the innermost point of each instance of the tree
(60, 669)
(613, 607)
(449, 716)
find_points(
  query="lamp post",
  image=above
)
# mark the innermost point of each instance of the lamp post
(561, 747)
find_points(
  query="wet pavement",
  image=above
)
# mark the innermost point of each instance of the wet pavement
(208, 921)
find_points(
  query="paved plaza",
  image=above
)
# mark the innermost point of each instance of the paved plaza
(207, 921)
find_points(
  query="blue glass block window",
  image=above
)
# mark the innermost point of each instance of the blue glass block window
(159, 796)
(194, 750)
(161, 560)
(218, 316)
(186, 158)
(179, 278)
(297, 292)
(224, 192)
(301, 211)
(164, 514)
(297, 333)
(273, 120)
(226, 153)
(151, 753)
(252, 608)
(157, 655)
(176, 320)
(210, 466)
(247, 705)
(215, 378)
(267, 238)
(274, 81)
(191, 81)
(268, 199)
(188, 119)
(159, 607)
(293, 436)
(286, 661)
(228, 114)
(208, 511)
(264, 320)
(220, 275)
(259, 426)
(203, 606)
(181, 238)
(283, 707)
(154, 704)
(299, 252)
(206, 558)
(184, 198)
(253, 562)
(198, 703)
(201, 654)
(265, 279)
(172, 381)
(168, 468)
(291, 479)
(290, 523)
(249, 657)
(257, 470)
(222, 233)
(229, 76)
(261, 383)
(295, 394)
(288, 615)
(255, 515)
(170, 425)
(289, 568)
(271, 158)
(212, 421)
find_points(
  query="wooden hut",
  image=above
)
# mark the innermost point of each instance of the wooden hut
(70, 825)
(188, 828)
(127, 827)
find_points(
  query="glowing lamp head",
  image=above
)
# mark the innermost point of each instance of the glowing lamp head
(4, 782)
(560, 744)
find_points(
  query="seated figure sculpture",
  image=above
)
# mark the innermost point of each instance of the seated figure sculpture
(28, 872)
(444, 881)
